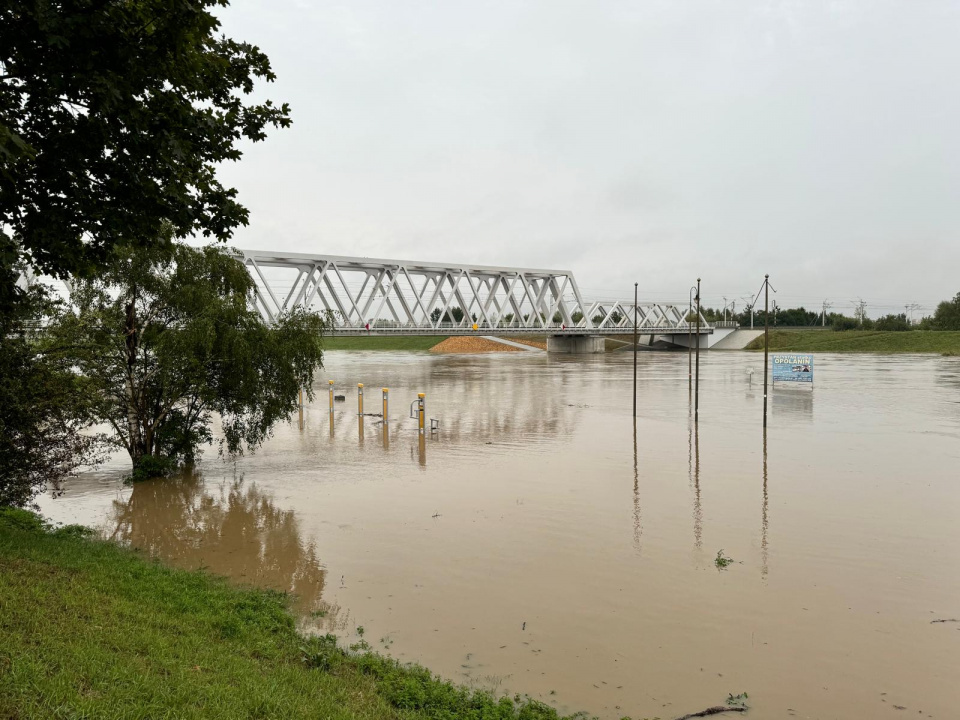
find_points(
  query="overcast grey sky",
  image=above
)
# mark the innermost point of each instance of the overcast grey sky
(651, 141)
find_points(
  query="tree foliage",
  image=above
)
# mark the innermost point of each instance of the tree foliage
(44, 408)
(947, 315)
(113, 118)
(167, 339)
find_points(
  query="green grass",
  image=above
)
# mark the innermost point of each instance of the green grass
(380, 342)
(913, 341)
(89, 629)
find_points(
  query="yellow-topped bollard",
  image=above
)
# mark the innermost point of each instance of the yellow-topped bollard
(386, 402)
(421, 411)
(359, 398)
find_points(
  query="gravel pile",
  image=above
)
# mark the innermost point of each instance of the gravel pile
(471, 345)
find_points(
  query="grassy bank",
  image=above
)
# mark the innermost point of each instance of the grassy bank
(913, 341)
(90, 629)
(380, 342)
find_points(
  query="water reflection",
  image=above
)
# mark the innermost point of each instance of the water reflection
(232, 529)
(763, 512)
(693, 463)
(793, 402)
(637, 520)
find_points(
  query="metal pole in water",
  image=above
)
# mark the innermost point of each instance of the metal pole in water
(689, 343)
(635, 340)
(330, 384)
(696, 394)
(386, 395)
(766, 343)
(421, 411)
(359, 398)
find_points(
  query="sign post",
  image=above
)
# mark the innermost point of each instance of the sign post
(792, 368)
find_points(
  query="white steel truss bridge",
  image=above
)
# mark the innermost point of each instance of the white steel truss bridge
(368, 295)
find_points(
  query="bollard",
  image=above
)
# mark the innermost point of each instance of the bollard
(359, 398)
(330, 383)
(386, 401)
(421, 411)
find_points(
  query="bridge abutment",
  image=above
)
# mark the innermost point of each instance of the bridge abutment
(576, 344)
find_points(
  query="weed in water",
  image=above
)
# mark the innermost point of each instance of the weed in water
(721, 561)
(739, 701)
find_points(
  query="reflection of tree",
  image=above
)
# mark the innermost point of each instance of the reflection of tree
(238, 532)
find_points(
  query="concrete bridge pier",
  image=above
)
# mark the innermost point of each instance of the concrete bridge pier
(576, 344)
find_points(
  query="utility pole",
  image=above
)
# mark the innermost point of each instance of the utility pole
(724, 308)
(766, 343)
(826, 305)
(635, 339)
(750, 302)
(696, 392)
(859, 309)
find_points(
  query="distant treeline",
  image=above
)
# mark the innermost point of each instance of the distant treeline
(946, 317)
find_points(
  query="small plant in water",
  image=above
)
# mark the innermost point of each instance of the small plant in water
(721, 561)
(363, 644)
(739, 701)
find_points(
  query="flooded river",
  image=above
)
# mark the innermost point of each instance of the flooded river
(543, 543)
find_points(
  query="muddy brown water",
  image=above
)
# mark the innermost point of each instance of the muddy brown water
(538, 544)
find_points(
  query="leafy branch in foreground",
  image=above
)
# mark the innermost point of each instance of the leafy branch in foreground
(114, 117)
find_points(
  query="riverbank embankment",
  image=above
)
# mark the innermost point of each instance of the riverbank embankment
(92, 629)
(942, 342)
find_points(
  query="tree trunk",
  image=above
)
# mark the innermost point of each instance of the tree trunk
(136, 447)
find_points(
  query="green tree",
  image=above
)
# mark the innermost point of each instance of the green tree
(947, 315)
(892, 322)
(114, 117)
(44, 407)
(167, 339)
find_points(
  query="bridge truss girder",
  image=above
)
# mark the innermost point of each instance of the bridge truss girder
(396, 295)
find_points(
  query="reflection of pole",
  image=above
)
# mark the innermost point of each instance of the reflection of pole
(766, 342)
(360, 399)
(331, 424)
(697, 509)
(763, 515)
(300, 405)
(360, 428)
(330, 384)
(421, 413)
(635, 349)
(637, 527)
(696, 393)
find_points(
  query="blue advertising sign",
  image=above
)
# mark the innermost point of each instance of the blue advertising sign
(793, 368)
